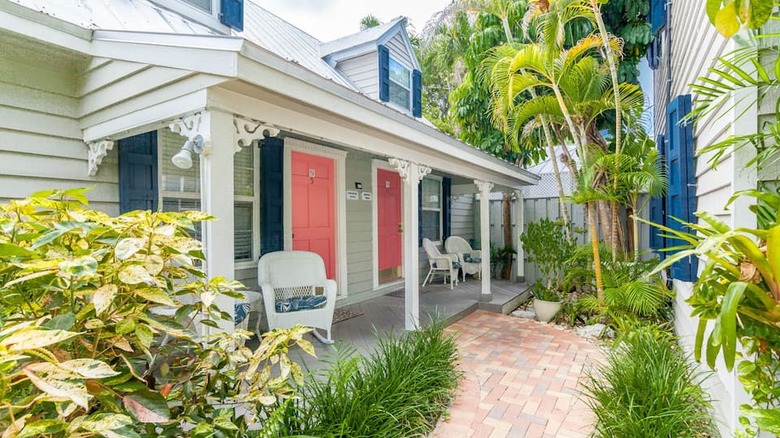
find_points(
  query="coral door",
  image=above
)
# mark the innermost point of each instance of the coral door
(313, 207)
(389, 225)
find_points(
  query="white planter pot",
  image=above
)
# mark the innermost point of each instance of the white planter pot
(546, 310)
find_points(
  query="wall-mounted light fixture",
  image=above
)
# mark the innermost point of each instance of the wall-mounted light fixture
(183, 158)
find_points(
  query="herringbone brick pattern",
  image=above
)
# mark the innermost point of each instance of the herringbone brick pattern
(521, 380)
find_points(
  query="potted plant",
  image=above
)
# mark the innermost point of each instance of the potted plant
(547, 302)
(546, 245)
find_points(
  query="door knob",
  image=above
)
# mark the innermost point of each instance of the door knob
(400, 228)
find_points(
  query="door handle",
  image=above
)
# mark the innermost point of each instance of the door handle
(400, 228)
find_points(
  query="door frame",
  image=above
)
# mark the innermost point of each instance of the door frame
(377, 164)
(339, 158)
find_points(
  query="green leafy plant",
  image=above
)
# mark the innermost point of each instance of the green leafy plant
(401, 389)
(544, 293)
(738, 294)
(647, 388)
(501, 261)
(546, 244)
(99, 335)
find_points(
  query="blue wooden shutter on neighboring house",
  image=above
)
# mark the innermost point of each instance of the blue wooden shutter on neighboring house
(657, 15)
(232, 13)
(384, 73)
(681, 197)
(138, 186)
(653, 53)
(272, 194)
(417, 93)
(446, 207)
(657, 216)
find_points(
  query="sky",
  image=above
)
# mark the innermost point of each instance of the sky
(328, 20)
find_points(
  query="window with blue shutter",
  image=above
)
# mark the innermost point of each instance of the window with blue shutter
(272, 195)
(138, 180)
(681, 196)
(232, 14)
(384, 73)
(417, 93)
(657, 16)
(657, 207)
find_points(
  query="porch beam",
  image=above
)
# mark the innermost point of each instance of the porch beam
(219, 134)
(484, 188)
(411, 173)
(519, 227)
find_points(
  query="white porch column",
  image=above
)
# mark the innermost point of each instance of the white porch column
(216, 170)
(412, 174)
(484, 188)
(519, 226)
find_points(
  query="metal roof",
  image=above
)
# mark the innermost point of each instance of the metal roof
(260, 27)
(369, 35)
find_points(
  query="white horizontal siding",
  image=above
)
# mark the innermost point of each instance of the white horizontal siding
(398, 50)
(360, 254)
(41, 143)
(363, 71)
(462, 216)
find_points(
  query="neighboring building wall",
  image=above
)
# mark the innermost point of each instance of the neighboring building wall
(41, 146)
(695, 46)
(363, 71)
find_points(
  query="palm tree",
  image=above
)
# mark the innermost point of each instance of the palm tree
(369, 21)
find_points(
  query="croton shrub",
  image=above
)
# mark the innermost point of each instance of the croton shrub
(102, 329)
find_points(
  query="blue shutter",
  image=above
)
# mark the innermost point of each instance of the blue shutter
(384, 73)
(419, 215)
(681, 197)
(657, 241)
(138, 188)
(232, 13)
(657, 16)
(653, 53)
(446, 207)
(272, 194)
(417, 93)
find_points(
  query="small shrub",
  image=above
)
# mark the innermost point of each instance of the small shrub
(647, 389)
(84, 350)
(546, 244)
(399, 390)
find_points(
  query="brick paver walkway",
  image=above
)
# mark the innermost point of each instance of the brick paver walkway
(521, 380)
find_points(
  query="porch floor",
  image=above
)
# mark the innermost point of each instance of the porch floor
(386, 313)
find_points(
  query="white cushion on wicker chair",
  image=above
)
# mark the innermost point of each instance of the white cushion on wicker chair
(461, 248)
(287, 277)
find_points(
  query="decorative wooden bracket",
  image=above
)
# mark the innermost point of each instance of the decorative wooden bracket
(403, 167)
(97, 151)
(249, 131)
(193, 125)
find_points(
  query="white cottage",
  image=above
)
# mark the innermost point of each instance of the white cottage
(685, 46)
(219, 105)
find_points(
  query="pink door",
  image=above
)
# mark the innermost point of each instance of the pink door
(313, 207)
(388, 198)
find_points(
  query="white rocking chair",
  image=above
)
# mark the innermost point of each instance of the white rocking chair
(296, 290)
(446, 264)
(470, 259)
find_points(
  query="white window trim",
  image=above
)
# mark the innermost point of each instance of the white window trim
(440, 209)
(256, 220)
(197, 14)
(375, 166)
(411, 84)
(340, 196)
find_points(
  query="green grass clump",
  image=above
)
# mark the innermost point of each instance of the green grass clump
(401, 389)
(648, 389)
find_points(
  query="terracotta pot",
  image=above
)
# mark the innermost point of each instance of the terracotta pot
(546, 310)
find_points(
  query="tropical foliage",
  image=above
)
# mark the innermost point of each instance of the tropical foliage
(99, 329)
(546, 245)
(401, 389)
(647, 388)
